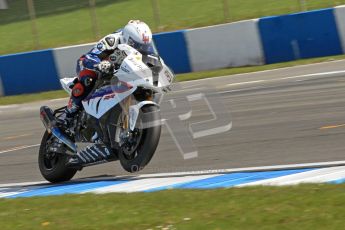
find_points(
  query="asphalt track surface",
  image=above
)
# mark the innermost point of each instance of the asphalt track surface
(286, 116)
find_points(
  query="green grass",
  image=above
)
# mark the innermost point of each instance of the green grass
(19, 99)
(73, 26)
(299, 207)
(25, 98)
(249, 69)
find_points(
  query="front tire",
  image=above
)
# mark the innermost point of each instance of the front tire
(147, 146)
(53, 166)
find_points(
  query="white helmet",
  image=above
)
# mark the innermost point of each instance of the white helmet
(138, 35)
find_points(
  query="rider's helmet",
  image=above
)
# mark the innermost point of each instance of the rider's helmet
(138, 35)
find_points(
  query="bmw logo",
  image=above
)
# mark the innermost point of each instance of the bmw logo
(112, 58)
(100, 46)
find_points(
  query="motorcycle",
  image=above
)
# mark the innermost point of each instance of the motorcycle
(120, 119)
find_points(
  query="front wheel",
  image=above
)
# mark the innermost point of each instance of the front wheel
(134, 156)
(53, 165)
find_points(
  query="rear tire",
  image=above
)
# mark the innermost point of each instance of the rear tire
(53, 170)
(147, 145)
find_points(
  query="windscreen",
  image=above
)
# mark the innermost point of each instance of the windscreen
(144, 49)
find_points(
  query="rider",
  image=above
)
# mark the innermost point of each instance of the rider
(103, 58)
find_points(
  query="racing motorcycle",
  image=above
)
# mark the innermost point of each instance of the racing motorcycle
(120, 119)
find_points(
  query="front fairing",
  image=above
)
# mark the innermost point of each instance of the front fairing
(149, 70)
(103, 99)
(133, 73)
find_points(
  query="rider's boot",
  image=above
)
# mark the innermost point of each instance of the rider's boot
(67, 117)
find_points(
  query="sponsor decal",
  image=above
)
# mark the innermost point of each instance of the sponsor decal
(109, 96)
(123, 68)
(112, 58)
(146, 38)
(135, 63)
(168, 76)
(100, 46)
(110, 41)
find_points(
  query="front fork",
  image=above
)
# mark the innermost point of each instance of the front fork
(130, 113)
(125, 104)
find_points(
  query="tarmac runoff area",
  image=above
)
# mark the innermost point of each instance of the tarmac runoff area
(290, 116)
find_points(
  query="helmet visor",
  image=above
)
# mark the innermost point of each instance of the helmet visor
(145, 49)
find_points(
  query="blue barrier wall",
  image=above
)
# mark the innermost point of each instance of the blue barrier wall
(28, 72)
(173, 49)
(278, 39)
(302, 35)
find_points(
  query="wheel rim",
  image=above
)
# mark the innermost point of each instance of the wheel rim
(131, 141)
(130, 147)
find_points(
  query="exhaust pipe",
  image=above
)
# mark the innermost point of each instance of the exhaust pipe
(49, 122)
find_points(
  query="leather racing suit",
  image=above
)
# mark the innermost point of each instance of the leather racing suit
(90, 65)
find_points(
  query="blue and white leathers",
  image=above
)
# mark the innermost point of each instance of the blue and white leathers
(133, 73)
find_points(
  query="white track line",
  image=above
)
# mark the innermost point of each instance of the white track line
(18, 148)
(334, 167)
(249, 169)
(288, 78)
(59, 99)
(149, 183)
(267, 71)
(314, 176)
(6, 194)
(9, 106)
(23, 184)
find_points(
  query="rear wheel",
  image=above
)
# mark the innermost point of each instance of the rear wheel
(53, 165)
(137, 151)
